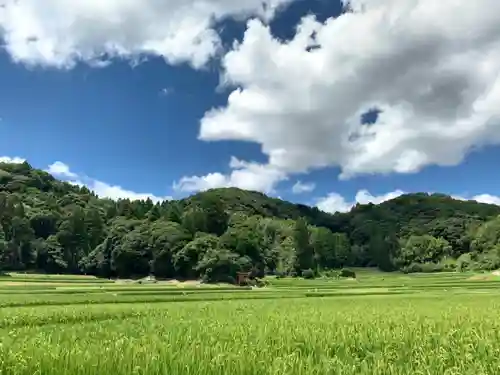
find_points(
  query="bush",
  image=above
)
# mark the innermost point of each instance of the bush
(480, 262)
(464, 262)
(249, 282)
(308, 274)
(448, 264)
(261, 283)
(429, 267)
(330, 274)
(346, 272)
(293, 274)
(206, 279)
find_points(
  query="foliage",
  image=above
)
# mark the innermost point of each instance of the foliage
(346, 272)
(56, 227)
(308, 274)
(422, 249)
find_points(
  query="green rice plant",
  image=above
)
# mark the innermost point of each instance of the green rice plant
(382, 324)
(400, 335)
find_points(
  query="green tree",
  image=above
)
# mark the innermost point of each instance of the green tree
(73, 237)
(221, 265)
(186, 260)
(165, 241)
(303, 248)
(154, 213)
(195, 220)
(95, 227)
(323, 243)
(422, 249)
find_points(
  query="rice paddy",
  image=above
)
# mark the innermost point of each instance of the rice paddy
(380, 324)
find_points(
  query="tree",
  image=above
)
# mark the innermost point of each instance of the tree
(343, 253)
(95, 227)
(72, 235)
(154, 213)
(44, 223)
(49, 255)
(53, 226)
(132, 257)
(221, 265)
(165, 241)
(422, 249)
(323, 243)
(186, 260)
(216, 216)
(195, 220)
(305, 254)
(486, 237)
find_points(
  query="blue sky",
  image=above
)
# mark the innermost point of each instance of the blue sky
(161, 102)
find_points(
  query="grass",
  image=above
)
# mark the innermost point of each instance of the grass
(381, 324)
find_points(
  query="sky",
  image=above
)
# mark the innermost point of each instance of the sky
(321, 102)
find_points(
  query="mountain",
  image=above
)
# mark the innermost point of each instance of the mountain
(254, 203)
(53, 226)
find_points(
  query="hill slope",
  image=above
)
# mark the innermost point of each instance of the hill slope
(49, 225)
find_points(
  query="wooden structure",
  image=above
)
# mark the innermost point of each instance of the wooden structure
(242, 277)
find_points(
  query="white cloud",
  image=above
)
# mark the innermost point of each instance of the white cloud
(481, 198)
(303, 187)
(432, 68)
(334, 202)
(487, 198)
(102, 189)
(59, 169)
(14, 160)
(244, 175)
(60, 32)
(365, 197)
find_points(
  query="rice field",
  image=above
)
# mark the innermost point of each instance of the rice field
(380, 324)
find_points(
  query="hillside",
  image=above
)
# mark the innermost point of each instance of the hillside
(55, 227)
(254, 203)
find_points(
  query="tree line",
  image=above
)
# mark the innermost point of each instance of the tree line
(56, 227)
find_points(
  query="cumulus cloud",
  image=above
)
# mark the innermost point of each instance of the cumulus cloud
(244, 175)
(59, 169)
(105, 190)
(335, 202)
(102, 189)
(487, 198)
(481, 198)
(430, 68)
(365, 197)
(60, 33)
(303, 187)
(12, 160)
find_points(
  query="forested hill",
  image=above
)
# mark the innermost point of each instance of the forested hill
(53, 226)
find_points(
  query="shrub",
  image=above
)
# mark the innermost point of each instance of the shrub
(280, 275)
(346, 272)
(448, 264)
(308, 274)
(464, 262)
(261, 283)
(483, 262)
(249, 282)
(443, 266)
(330, 274)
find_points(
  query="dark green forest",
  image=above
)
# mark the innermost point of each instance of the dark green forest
(47, 225)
